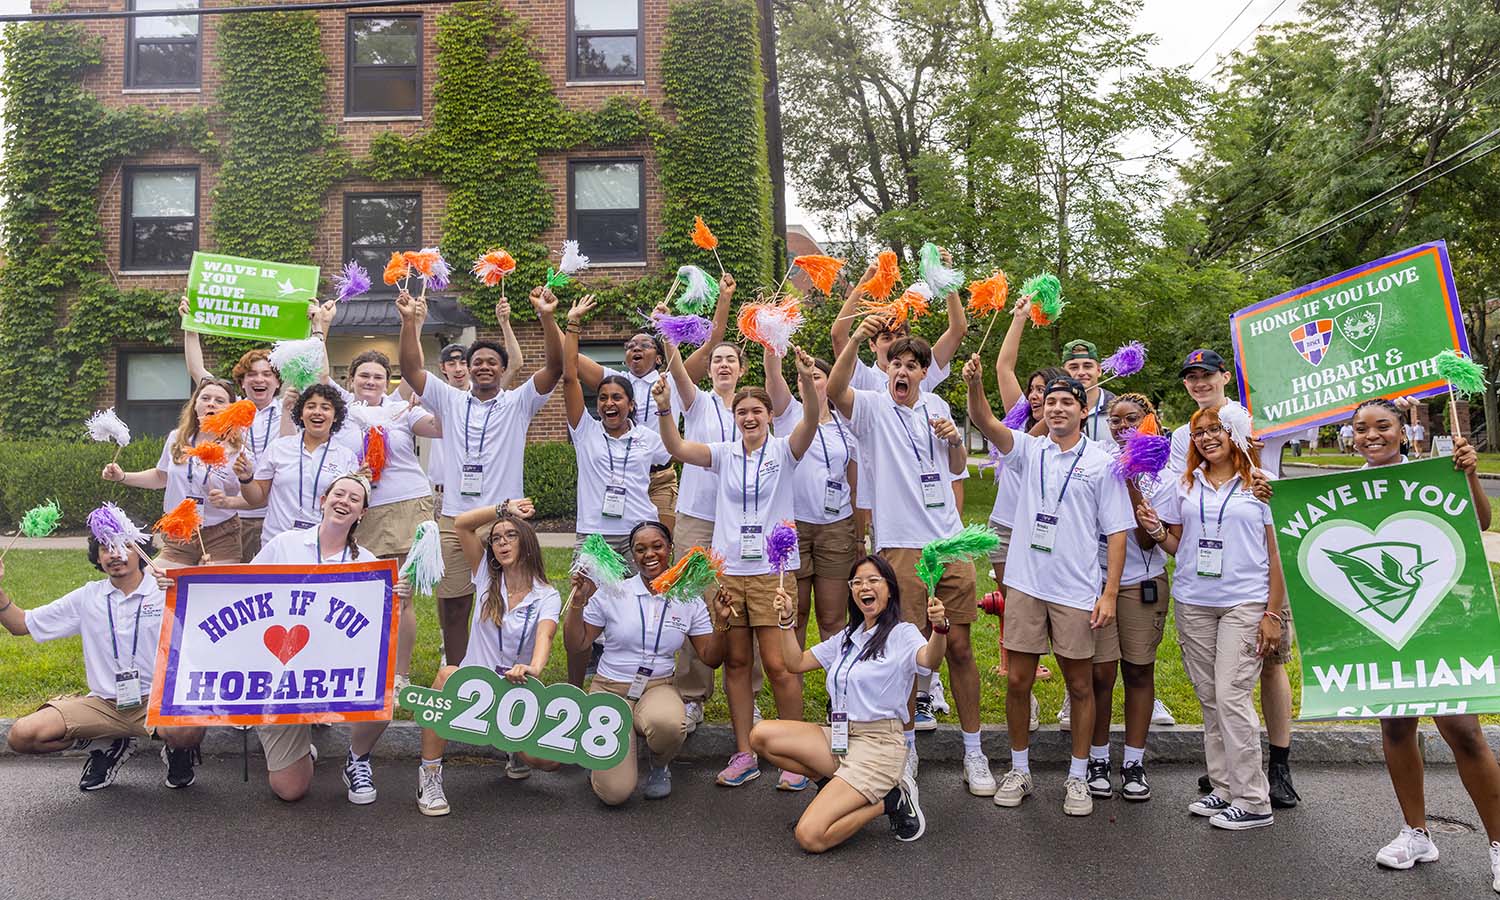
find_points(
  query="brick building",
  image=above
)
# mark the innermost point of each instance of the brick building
(381, 68)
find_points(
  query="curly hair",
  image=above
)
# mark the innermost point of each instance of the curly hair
(327, 392)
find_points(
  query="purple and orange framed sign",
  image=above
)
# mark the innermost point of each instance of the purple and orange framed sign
(1307, 357)
(277, 645)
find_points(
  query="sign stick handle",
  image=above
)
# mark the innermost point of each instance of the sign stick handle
(116, 458)
(10, 545)
(149, 561)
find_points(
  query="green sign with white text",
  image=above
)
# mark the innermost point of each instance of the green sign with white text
(249, 298)
(550, 721)
(1391, 592)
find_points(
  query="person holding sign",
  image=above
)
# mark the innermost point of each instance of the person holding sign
(747, 505)
(288, 748)
(641, 633)
(119, 618)
(1055, 597)
(484, 431)
(181, 475)
(511, 634)
(859, 759)
(1230, 611)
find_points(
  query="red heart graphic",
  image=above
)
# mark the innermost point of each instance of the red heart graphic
(285, 644)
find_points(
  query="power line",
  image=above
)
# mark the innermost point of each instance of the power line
(210, 10)
(1225, 31)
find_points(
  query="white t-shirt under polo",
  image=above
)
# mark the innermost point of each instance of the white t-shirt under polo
(87, 611)
(708, 421)
(1246, 569)
(754, 489)
(870, 378)
(897, 447)
(513, 641)
(826, 462)
(870, 690)
(488, 433)
(625, 461)
(300, 548)
(191, 478)
(1141, 565)
(642, 629)
(298, 478)
(265, 429)
(1090, 503)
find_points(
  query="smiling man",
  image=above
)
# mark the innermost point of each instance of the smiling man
(1080, 359)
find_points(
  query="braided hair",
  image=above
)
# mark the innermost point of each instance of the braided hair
(1390, 407)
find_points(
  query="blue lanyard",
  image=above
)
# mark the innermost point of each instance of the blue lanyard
(1079, 448)
(301, 472)
(842, 693)
(318, 548)
(641, 404)
(484, 429)
(1203, 512)
(655, 648)
(931, 452)
(827, 458)
(266, 439)
(109, 608)
(733, 431)
(609, 445)
(500, 632)
(1094, 416)
(745, 480)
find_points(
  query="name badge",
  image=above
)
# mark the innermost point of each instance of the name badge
(1044, 532)
(127, 689)
(1210, 558)
(833, 497)
(839, 723)
(302, 524)
(638, 684)
(932, 490)
(198, 500)
(614, 501)
(473, 476)
(752, 544)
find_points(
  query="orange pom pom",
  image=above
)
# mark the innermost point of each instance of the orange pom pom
(421, 261)
(493, 267)
(821, 269)
(210, 454)
(989, 295)
(1149, 425)
(663, 582)
(240, 414)
(374, 455)
(887, 273)
(181, 522)
(397, 269)
(702, 236)
(1039, 318)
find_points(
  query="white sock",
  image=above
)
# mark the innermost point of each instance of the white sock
(1077, 768)
(971, 744)
(1020, 760)
(434, 763)
(1099, 752)
(1134, 755)
(911, 739)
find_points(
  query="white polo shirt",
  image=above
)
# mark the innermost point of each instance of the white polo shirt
(897, 447)
(1086, 504)
(822, 480)
(513, 641)
(88, 611)
(191, 478)
(640, 387)
(402, 478)
(707, 421)
(265, 429)
(490, 434)
(642, 629)
(298, 478)
(300, 548)
(871, 690)
(624, 462)
(755, 489)
(1197, 508)
(1140, 564)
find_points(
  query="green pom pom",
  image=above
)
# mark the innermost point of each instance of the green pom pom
(972, 542)
(938, 276)
(556, 279)
(598, 562)
(1464, 374)
(1046, 292)
(697, 293)
(41, 521)
(699, 574)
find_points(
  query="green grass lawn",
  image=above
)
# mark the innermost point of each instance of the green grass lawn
(1488, 462)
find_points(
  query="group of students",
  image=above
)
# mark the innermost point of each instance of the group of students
(1082, 562)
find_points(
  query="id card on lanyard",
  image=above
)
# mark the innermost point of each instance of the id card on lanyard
(614, 490)
(928, 478)
(752, 534)
(838, 718)
(471, 479)
(196, 496)
(1044, 529)
(1211, 550)
(302, 504)
(643, 672)
(128, 692)
(833, 487)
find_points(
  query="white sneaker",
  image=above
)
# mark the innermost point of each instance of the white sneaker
(1076, 799)
(1065, 715)
(1014, 787)
(430, 798)
(1036, 715)
(516, 768)
(1495, 865)
(939, 701)
(755, 716)
(1160, 715)
(911, 763)
(977, 775)
(694, 711)
(1411, 846)
(402, 682)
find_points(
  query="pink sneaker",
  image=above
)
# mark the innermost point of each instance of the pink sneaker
(742, 768)
(791, 781)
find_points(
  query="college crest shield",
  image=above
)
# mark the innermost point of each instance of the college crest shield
(1312, 339)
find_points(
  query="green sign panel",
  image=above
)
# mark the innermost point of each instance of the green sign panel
(1391, 592)
(550, 721)
(1306, 357)
(249, 298)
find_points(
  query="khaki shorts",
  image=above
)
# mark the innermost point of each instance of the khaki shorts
(827, 551)
(387, 530)
(250, 530)
(956, 589)
(876, 757)
(458, 579)
(1283, 654)
(663, 493)
(1032, 624)
(753, 598)
(87, 718)
(222, 542)
(284, 744)
(1140, 625)
(691, 532)
(997, 555)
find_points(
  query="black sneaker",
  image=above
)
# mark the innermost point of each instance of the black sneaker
(907, 821)
(102, 766)
(1204, 785)
(1098, 779)
(1283, 795)
(1133, 784)
(180, 763)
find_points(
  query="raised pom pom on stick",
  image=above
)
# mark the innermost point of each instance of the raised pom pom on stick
(1045, 293)
(300, 363)
(1464, 377)
(493, 267)
(1126, 361)
(424, 562)
(600, 563)
(939, 276)
(699, 291)
(705, 240)
(887, 273)
(571, 264)
(972, 542)
(691, 577)
(37, 522)
(781, 543)
(397, 269)
(104, 426)
(821, 270)
(231, 419)
(1143, 453)
(210, 453)
(112, 528)
(352, 282)
(771, 324)
(681, 330)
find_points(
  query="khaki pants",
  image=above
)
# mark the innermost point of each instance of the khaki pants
(695, 681)
(1218, 653)
(250, 537)
(222, 542)
(659, 718)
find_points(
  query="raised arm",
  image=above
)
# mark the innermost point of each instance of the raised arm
(413, 312)
(958, 325)
(513, 353)
(980, 414)
(1466, 460)
(839, 330)
(192, 347)
(1010, 353)
(840, 393)
(932, 653)
(685, 385)
(776, 386)
(150, 479)
(697, 362)
(796, 659)
(572, 389)
(802, 436)
(690, 452)
(545, 304)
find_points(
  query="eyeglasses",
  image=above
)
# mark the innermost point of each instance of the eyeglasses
(643, 343)
(1209, 431)
(1117, 421)
(504, 537)
(873, 581)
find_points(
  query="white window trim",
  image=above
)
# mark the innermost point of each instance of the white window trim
(609, 81)
(131, 273)
(618, 265)
(384, 118)
(162, 90)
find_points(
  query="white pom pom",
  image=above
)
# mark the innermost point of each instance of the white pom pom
(573, 262)
(106, 426)
(1236, 420)
(424, 562)
(300, 363)
(700, 288)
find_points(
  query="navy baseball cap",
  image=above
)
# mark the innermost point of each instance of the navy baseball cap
(1067, 386)
(1207, 360)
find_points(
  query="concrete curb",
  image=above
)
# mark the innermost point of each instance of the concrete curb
(1333, 744)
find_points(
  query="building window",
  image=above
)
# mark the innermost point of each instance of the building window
(384, 66)
(163, 50)
(604, 40)
(160, 230)
(377, 225)
(606, 212)
(151, 390)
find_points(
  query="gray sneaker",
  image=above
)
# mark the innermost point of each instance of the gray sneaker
(1014, 787)
(430, 798)
(516, 768)
(1076, 799)
(658, 783)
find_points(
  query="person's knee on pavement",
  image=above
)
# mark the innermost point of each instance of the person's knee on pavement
(811, 838)
(613, 794)
(291, 784)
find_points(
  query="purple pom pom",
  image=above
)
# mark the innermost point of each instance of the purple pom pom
(1128, 360)
(993, 462)
(683, 329)
(1142, 454)
(1018, 414)
(353, 282)
(779, 545)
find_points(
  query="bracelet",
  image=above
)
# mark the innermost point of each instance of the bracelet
(501, 508)
(663, 412)
(1158, 534)
(1277, 616)
(245, 480)
(944, 628)
(317, 334)
(574, 329)
(8, 604)
(787, 625)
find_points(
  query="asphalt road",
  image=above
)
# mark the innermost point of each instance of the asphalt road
(548, 838)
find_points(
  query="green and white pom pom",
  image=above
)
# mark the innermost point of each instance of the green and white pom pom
(424, 562)
(1464, 374)
(598, 562)
(300, 363)
(41, 521)
(971, 543)
(698, 292)
(939, 277)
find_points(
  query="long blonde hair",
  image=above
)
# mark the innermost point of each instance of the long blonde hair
(187, 421)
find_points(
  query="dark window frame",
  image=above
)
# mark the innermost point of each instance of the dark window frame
(132, 410)
(127, 232)
(640, 45)
(131, 42)
(350, 67)
(640, 212)
(378, 285)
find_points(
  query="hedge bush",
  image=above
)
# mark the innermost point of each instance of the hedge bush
(551, 472)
